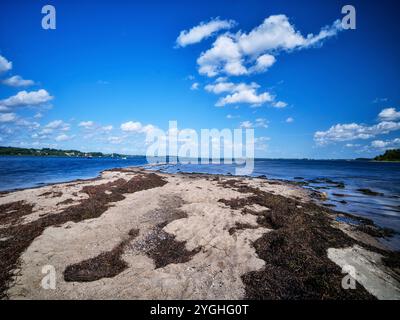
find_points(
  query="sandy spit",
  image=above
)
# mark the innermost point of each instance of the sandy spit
(187, 244)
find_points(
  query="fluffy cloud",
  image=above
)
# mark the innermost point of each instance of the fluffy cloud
(194, 86)
(107, 128)
(8, 117)
(259, 123)
(276, 33)
(137, 127)
(202, 31)
(380, 144)
(30, 125)
(240, 93)
(246, 125)
(56, 125)
(279, 104)
(24, 98)
(63, 137)
(18, 81)
(86, 124)
(131, 126)
(221, 87)
(354, 131)
(289, 120)
(389, 114)
(224, 56)
(351, 145)
(147, 129)
(245, 53)
(5, 65)
(254, 52)
(92, 129)
(263, 62)
(248, 95)
(56, 130)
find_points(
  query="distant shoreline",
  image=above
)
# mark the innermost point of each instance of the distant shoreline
(137, 156)
(49, 152)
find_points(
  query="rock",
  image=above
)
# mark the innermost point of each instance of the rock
(369, 192)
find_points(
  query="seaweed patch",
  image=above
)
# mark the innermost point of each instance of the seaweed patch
(19, 237)
(295, 252)
(105, 265)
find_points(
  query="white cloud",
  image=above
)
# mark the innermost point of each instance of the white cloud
(5, 65)
(147, 129)
(194, 86)
(224, 56)
(221, 79)
(276, 33)
(131, 126)
(351, 145)
(254, 52)
(229, 116)
(86, 124)
(262, 139)
(246, 95)
(354, 131)
(279, 104)
(380, 144)
(107, 128)
(8, 117)
(246, 125)
(220, 87)
(24, 98)
(137, 127)
(244, 53)
(202, 31)
(241, 93)
(18, 81)
(263, 62)
(389, 114)
(56, 125)
(289, 120)
(259, 123)
(30, 125)
(63, 137)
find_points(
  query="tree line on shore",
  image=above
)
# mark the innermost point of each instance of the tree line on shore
(389, 155)
(13, 151)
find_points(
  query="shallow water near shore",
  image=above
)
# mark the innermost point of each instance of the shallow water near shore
(368, 189)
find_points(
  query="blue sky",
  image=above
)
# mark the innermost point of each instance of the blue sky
(108, 63)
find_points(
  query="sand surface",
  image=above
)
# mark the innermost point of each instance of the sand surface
(214, 242)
